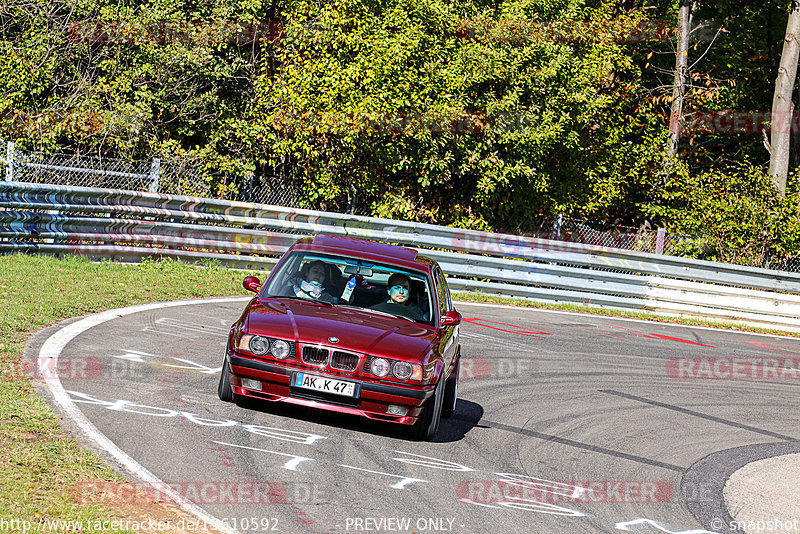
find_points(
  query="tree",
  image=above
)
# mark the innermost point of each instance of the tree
(782, 106)
(452, 113)
(687, 7)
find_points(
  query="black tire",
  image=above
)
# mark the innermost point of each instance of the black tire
(428, 422)
(451, 392)
(224, 389)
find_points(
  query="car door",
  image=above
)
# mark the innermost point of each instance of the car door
(448, 339)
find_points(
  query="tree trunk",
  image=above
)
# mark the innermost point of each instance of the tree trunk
(681, 73)
(794, 150)
(782, 107)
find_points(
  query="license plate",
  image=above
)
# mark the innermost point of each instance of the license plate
(327, 385)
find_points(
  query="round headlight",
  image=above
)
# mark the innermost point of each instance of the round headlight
(259, 345)
(379, 367)
(280, 349)
(402, 370)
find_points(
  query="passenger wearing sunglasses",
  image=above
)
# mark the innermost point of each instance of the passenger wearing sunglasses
(310, 283)
(399, 289)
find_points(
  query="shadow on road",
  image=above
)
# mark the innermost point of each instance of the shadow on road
(466, 416)
(464, 419)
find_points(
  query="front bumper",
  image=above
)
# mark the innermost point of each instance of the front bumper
(371, 401)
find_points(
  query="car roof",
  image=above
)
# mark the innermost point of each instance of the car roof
(363, 247)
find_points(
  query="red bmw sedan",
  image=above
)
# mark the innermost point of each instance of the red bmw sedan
(351, 326)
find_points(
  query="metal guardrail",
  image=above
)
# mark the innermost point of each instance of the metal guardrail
(126, 225)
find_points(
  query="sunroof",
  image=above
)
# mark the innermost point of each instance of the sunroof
(363, 245)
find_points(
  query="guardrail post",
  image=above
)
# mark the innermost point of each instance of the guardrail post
(251, 184)
(557, 222)
(351, 200)
(155, 167)
(661, 236)
(10, 162)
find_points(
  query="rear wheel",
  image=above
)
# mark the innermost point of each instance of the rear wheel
(224, 389)
(428, 422)
(451, 392)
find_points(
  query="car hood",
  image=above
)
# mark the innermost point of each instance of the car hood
(357, 330)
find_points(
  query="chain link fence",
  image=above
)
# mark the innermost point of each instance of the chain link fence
(643, 239)
(274, 190)
(616, 236)
(182, 178)
(70, 169)
(67, 169)
(176, 177)
(790, 264)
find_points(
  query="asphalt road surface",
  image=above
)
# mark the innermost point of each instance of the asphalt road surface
(564, 423)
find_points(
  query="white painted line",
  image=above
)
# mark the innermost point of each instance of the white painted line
(401, 484)
(48, 359)
(291, 465)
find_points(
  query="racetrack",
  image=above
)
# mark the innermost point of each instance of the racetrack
(565, 423)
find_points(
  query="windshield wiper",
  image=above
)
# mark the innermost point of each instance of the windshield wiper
(301, 299)
(390, 314)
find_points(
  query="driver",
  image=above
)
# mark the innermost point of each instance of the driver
(398, 303)
(311, 282)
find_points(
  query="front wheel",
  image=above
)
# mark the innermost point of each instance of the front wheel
(427, 423)
(224, 389)
(451, 392)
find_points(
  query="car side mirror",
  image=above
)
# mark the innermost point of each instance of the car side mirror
(451, 318)
(251, 283)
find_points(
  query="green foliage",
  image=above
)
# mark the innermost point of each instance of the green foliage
(98, 78)
(737, 210)
(456, 113)
(483, 115)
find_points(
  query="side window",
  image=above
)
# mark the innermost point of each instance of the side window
(447, 292)
(442, 293)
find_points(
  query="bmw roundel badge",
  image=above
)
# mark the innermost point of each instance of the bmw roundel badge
(333, 339)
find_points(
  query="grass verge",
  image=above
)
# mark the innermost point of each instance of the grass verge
(39, 463)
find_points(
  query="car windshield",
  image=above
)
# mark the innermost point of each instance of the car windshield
(343, 281)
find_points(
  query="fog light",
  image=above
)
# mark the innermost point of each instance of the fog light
(251, 383)
(395, 409)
